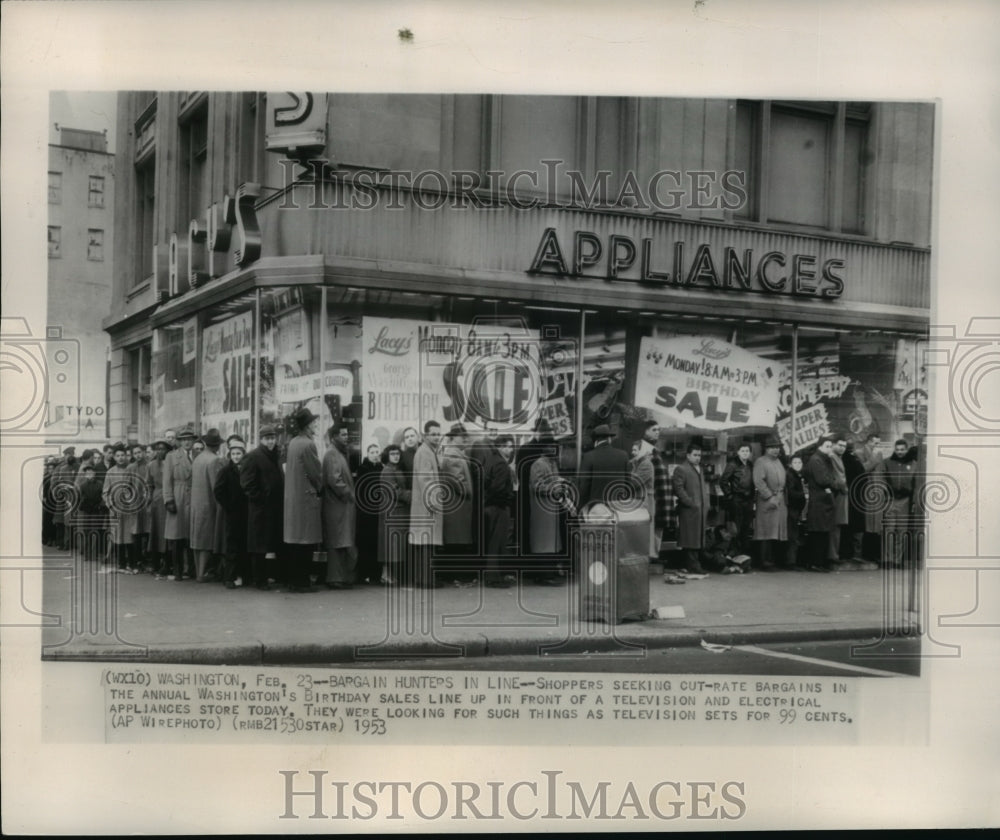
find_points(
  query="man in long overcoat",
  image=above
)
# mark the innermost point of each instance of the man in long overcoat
(691, 490)
(771, 518)
(601, 467)
(177, 500)
(821, 515)
(303, 488)
(426, 518)
(899, 475)
(841, 509)
(456, 472)
(207, 522)
(264, 484)
(339, 511)
(118, 496)
(232, 501)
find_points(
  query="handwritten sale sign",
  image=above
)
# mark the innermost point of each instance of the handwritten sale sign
(706, 383)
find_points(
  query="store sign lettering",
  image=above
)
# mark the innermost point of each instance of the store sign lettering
(773, 272)
(228, 227)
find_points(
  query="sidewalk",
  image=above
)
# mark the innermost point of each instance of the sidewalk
(121, 617)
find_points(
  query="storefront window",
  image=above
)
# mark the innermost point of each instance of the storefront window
(227, 367)
(289, 353)
(175, 353)
(859, 385)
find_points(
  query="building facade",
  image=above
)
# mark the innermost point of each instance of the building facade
(730, 268)
(81, 182)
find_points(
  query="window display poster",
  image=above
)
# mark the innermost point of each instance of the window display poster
(485, 376)
(706, 383)
(227, 375)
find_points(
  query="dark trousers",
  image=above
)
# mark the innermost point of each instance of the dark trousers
(496, 525)
(178, 548)
(299, 563)
(235, 566)
(741, 514)
(818, 548)
(135, 550)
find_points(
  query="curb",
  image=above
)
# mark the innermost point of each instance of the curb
(340, 653)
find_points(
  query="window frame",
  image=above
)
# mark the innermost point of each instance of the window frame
(91, 192)
(91, 244)
(57, 187)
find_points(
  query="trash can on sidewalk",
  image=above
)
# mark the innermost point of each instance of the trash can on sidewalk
(613, 564)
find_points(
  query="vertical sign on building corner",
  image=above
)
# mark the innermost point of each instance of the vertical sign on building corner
(296, 123)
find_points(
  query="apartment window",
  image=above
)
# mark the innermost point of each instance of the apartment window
(806, 163)
(194, 165)
(145, 200)
(55, 242)
(95, 191)
(95, 245)
(55, 188)
(139, 379)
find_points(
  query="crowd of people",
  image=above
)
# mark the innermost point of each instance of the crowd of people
(179, 509)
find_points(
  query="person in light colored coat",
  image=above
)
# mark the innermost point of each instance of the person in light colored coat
(207, 520)
(426, 517)
(119, 498)
(549, 500)
(771, 517)
(339, 511)
(303, 486)
(177, 500)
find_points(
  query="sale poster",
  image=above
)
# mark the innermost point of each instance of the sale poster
(227, 375)
(706, 383)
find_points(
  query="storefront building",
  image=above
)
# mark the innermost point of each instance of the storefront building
(387, 260)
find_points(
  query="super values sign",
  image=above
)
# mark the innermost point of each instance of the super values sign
(706, 383)
(479, 375)
(227, 375)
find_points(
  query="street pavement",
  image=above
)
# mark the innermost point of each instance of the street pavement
(122, 617)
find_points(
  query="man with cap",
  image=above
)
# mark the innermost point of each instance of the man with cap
(157, 511)
(119, 498)
(207, 525)
(264, 484)
(303, 489)
(821, 482)
(771, 519)
(177, 501)
(233, 506)
(601, 466)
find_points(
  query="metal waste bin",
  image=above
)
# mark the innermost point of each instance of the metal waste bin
(613, 564)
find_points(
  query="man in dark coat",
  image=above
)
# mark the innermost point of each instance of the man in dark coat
(899, 473)
(691, 490)
(232, 501)
(601, 467)
(795, 496)
(661, 483)
(852, 533)
(821, 481)
(264, 484)
(498, 496)
(737, 485)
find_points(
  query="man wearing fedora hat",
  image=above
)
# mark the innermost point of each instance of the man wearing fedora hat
(157, 512)
(303, 489)
(771, 517)
(601, 467)
(177, 501)
(207, 523)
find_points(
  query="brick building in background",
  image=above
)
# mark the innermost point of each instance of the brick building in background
(81, 189)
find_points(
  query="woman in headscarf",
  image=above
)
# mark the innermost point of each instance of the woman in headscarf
(394, 508)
